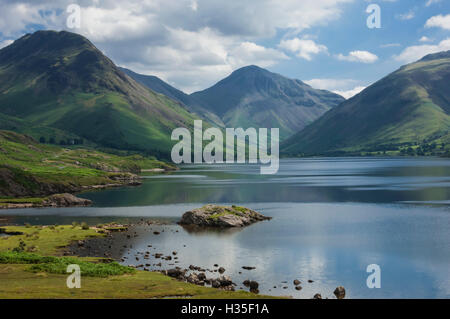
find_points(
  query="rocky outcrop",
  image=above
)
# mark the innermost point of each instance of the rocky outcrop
(66, 200)
(57, 200)
(17, 183)
(221, 216)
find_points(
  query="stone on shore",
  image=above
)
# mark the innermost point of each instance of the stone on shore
(66, 200)
(222, 216)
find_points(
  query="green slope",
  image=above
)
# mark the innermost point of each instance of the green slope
(60, 80)
(28, 168)
(255, 97)
(157, 85)
(408, 108)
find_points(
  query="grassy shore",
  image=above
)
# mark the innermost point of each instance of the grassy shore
(33, 170)
(32, 266)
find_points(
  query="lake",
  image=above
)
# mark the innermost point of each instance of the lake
(332, 217)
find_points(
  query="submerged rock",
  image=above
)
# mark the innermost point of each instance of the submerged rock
(221, 216)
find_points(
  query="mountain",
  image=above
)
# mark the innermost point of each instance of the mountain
(61, 80)
(254, 97)
(408, 110)
(156, 84)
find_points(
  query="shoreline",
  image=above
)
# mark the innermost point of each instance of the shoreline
(117, 244)
(152, 257)
(40, 202)
(41, 281)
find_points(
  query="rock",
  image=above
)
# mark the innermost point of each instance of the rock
(246, 283)
(339, 292)
(253, 285)
(156, 232)
(66, 200)
(175, 273)
(192, 278)
(225, 281)
(215, 284)
(298, 288)
(248, 268)
(297, 282)
(201, 276)
(317, 296)
(221, 270)
(221, 216)
(310, 281)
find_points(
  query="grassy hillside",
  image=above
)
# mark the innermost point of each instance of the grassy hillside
(407, 112)
(254, 97)
(28, 168)
(156, 84)
(60, 80)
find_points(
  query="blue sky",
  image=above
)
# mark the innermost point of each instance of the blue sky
(194, 43)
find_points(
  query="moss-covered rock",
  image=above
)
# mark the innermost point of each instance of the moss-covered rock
(221, 216)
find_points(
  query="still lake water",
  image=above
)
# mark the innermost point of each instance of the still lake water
(331, 218)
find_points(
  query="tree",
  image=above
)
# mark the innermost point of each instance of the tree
(52, 140)
(42, 140)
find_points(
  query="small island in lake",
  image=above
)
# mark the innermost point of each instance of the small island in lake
(222, 216)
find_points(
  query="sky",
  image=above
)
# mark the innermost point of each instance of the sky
(192, 44)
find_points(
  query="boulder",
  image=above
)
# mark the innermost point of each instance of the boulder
(225, 281)
(221, 216)
(339, 292)
(253, 285)
(175, 273)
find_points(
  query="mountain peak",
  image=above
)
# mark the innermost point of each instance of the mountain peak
(62, 60)
(254, 97)
(436, 56)
(52, 40)
(250, 68)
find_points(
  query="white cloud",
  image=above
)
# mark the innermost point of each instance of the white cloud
(425, 39)
(191, 43)
(406, 16)
(5, 43)
(303, 48)
(358, 56)
(344, 87)
(416, 52)
(430, 2)
(439, 21)
(194, 5)
(250, 53)
(350, 93)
